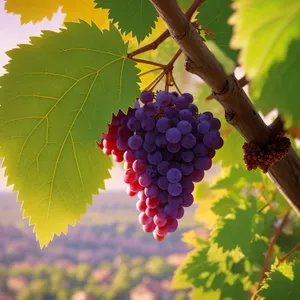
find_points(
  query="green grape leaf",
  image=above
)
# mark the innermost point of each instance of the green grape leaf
(224, 206)
(233, 292)
(282, 283)
(278, 88)
(263, 32)
(231, 153)
(257, 251)
(237, 232)
(136, 16)
(56, 100)
(214, 14)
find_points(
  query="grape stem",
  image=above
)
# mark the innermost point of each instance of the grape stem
(296, 248)
(152, 46)
(270, 251)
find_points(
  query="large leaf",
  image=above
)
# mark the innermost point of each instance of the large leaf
(279, 87)
(214, 14)
(137, 16)
(282, 283)
(74, 10)
(56, 100)
(263, 30)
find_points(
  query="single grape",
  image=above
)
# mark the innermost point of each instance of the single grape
(151, 170)
(152, 108)
(148, 124)
(197, 175)
(151, 212)
(130, 176)
(187, 156)
(145, 180)
(149, 147)
(150, 136)
(146, 97)
(163, 183)
(189, 97)
(185, 114)
(122, 144)
(211, 139)
(219, 143)
(109, 144)
(193, 109)
(137, 104)
(170, 112)
(144, 219)
(211, 153)
(163, 98)
(188, 200)
(175, 201)
(200, 149)
(158, 237)
(184, 127)
(149, 227)
(172, 225)
(180, 213)
(202, 163)
(135, 142)
(141, 205)
(141, 154)
(182, 102)
(117, 158)
(134, 124)
(129, 192)
(129, 156)
(161, 230)
(106, 151)
(141, 114)
(154, 158)
(174, 175)
(151, 191)
(142, 196)
(173, 148)
(173, 135)
(135, 187)
(203, 127)
(160, 219)
(163, 124)
(215, 124)
(163, 167)
(174, 189)
(152, 202)
(187, 168)
(188, 141)
(161, 141)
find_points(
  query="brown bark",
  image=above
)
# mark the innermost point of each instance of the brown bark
(239, 111)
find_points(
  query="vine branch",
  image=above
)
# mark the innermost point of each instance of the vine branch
(239, 110)
(296, 248)
(270, 251)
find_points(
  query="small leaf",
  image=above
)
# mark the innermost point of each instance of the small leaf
(224, 206)
(282, 283)
(214, 14)
(136, 16)
(56, 100)
(233, 292)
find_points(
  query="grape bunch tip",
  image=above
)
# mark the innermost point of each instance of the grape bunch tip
(166, 145)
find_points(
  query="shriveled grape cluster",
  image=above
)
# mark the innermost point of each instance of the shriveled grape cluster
(264, 158)
(167, 145)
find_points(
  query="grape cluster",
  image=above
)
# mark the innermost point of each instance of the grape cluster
(166, 145)
(264, 158)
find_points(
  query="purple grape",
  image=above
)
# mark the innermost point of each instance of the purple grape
(187, 156)
(163, 98)
(202, 163)
(154, 158)
(145, 180)
(188, 141)
(215, 124)
(151, 170)
(135, 142)
(203, 127)
(184, 127)
(133, 124)
(189, 189)
(219, 143)
(170, 211)
(148, 124)
(144, 219)
(141, 154)
(173, 148)
(141, 114)
(122, 144)
(211, 153)
(175, 201)
(137, 104)
(173, 135)
(189, 97)
(150, 136)
(163, 167)
(163, 183)
(174, 175)
(146, 97)
(180, 213)
(188, 200)
(170, 112)
(197, 175)
(186, 181)
(174, 189)
(193, 109)
(175, 94)
(163, 124)
(162, 196)
(187, 168)
(151, 191)
(152, 109)
(182, 102)
(200, 149)
(211, 139)
(185, 114)
(139, 166)
(149, 147)
(142, 196)
(206, 116)
(161, 141)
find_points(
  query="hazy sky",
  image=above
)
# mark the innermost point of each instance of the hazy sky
(11, 34)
